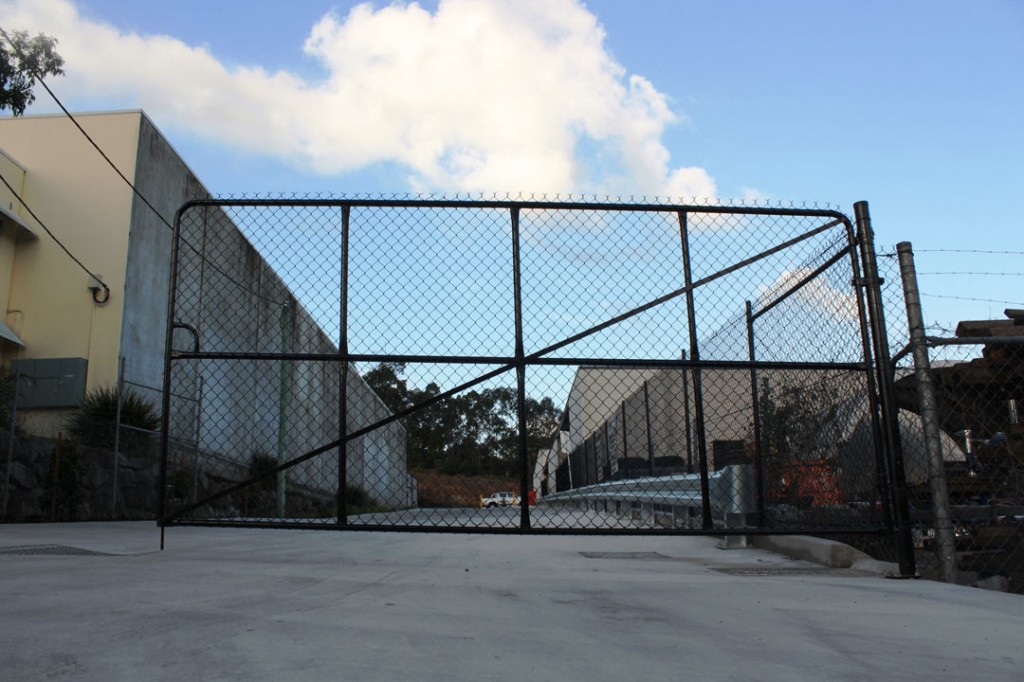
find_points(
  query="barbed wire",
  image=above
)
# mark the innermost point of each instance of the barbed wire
(969, 298)
(965, 272)
(1000, 253)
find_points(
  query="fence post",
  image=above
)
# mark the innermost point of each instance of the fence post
(755, 406)
(698, 393)
(117, 435)
(10, 441)
(686, 414)
(650, 436)
(886, 392)
(929, 416)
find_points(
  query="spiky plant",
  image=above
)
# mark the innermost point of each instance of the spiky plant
(93, 424)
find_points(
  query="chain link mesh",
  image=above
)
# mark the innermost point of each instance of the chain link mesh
(977, 374)
(519, 365)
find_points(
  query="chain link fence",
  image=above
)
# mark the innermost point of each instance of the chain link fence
(962, 437)
(520, 366)
(103, 463)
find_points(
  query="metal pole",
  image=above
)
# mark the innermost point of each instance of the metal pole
(698, 394)
(117, 435)
(625, 442)
(342, 495)
(10, 440)
(607, 453)
(884, 487)
(165, 403)
(517, 292)
(755, 405)
(650, 436)
(686, 414)
(944, 536)
(283, 403)
(199, 434)
(886, 392)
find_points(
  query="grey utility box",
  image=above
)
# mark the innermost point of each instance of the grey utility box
(52, 382)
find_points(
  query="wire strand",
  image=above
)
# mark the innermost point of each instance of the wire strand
(985, 274)
(131, 186)
(146, 201)
(999, 253)
(968, 298)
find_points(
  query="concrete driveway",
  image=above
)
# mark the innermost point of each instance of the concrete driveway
(236, 604)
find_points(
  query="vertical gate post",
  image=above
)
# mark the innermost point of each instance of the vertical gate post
(342, 496)
(650, 435)
(287, 321)
(929, 416)
(686, 414)
(625, 444)
(524, 458)
(698, 394)
(755, 406)
(886, 392)
(165, 403)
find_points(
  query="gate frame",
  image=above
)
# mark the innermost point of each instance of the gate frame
(871, 319)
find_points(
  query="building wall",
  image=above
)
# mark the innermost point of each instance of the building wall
(10, 231)
(76, 194)
(272, 408)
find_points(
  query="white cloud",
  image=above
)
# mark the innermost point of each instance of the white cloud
(476, 96)
(820, 294)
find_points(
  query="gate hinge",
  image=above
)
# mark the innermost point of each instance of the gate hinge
(868, 281)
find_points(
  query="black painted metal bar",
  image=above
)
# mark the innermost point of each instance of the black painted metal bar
(650, 434)
(607, 454)
(755, 405)
(625, 442)
(698, 394)
(884, 488)
(686, 414)
(886, 393)
(509, 363)
(836, 216)
(524, 455)
(165, 416)
(498, 530)
(342, 497)
(804, 281)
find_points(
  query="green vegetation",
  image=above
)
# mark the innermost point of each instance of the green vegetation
(472, 433)
(93, 425)
(23, 62)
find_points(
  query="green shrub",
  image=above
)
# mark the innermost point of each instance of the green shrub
(94, 422)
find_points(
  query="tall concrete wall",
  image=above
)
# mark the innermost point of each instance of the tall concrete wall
(100, 220)
(231, 410)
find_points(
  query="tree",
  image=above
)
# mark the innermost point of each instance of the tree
(23, 62)
(475, 432)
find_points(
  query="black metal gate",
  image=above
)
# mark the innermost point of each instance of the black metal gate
(526, 366)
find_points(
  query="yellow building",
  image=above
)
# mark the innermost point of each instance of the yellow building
(54, 310)
(70, 332)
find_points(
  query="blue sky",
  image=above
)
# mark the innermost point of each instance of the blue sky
(913, 106)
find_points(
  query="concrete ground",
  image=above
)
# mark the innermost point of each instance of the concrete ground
(237, 604)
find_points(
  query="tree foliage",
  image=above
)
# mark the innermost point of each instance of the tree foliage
(800, 423)
(473, 433)
(23, 62)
